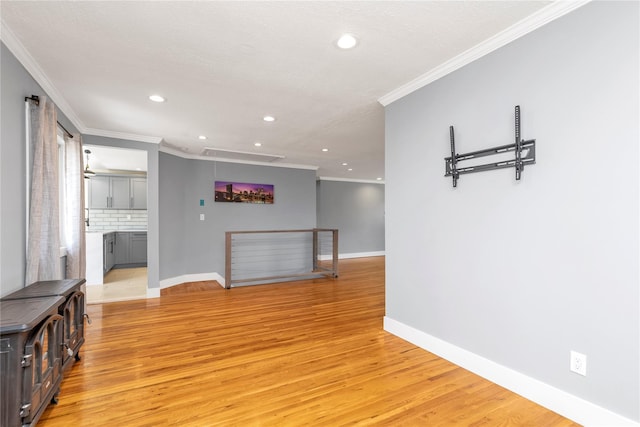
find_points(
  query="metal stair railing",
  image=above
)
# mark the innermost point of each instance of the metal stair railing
(258, 257)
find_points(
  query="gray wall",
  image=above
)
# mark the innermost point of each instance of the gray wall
(191, 246)
(523, 272)
(173, 220)
(153, 230)
(356, 210)
(187, 245)
(15, 84)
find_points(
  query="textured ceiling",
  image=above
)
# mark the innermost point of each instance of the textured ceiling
(224, 65)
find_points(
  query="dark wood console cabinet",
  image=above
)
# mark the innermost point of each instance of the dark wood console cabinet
(41, 332)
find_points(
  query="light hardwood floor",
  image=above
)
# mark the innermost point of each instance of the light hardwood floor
(120, 284)
(303, 353)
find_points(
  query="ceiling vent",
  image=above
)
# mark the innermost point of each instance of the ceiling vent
(221, 153)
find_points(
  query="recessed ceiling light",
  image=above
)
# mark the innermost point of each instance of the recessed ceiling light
(347, 41)
(345, 164)
(157, 98)
(349, 169)
(325, 149)
(379, 179)
(269, 119)
(258, 144)
(202, 137)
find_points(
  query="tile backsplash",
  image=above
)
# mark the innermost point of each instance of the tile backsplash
(117, 219)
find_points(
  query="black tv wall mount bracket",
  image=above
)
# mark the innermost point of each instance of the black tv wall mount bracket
(525, 154)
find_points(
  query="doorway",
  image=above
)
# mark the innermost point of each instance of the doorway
(116, 217)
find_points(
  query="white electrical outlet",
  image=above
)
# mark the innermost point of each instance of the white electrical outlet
(578, 363)
(201, 217)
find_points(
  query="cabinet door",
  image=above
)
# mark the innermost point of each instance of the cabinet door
(122, 248)
(105, 254)
(109, 251)
(138, 248)
(119, 192)
(112, 255)
(99, 192)
(138, 193)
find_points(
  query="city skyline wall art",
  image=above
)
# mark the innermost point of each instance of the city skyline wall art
(242, 192)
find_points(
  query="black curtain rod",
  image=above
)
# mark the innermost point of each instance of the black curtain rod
(36, 100)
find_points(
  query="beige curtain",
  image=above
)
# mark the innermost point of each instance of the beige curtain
(43, 245)
(74, 208)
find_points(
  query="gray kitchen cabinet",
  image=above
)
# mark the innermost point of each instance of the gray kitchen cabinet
(138, 248)
(122, 248)
(138, 193)
(109, 192)
(130, 249)
(109, 251)
(99, 192)
(120, 192)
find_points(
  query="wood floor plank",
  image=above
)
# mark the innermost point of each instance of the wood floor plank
(190, 287)
(301, 353)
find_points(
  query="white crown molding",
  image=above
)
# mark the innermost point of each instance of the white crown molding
(31, 65)
(362, 181)
(184, 155)
(525, 26)
(123, 135)
(24, 57)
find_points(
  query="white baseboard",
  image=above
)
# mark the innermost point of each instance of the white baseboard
(561, 402)
(353, 255)
(185, 278)
(200, 277)
(153, 292)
